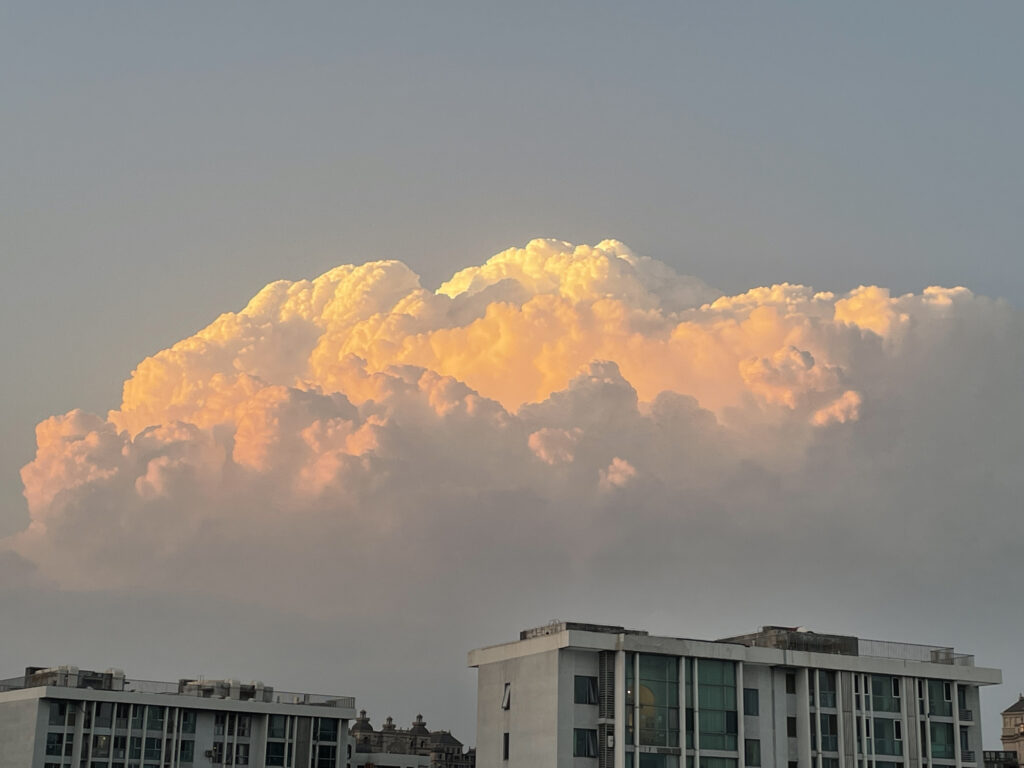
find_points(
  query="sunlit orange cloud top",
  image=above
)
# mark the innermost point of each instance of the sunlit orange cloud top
(518, 328)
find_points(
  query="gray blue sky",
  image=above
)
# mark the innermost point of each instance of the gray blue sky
(159, 164)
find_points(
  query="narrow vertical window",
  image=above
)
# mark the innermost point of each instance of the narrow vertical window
(506, 697)
(504, 746)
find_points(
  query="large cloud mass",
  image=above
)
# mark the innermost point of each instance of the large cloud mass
(561, 415)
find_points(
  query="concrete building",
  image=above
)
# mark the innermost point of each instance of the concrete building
(63, 717)
(594, 696)
(415, 747)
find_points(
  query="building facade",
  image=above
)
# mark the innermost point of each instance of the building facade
(594, 696)
(66, 718)
(414, 747)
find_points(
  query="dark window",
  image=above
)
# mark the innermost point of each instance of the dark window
(58, 712)
(791, 727)
(584, 742)
(791, 682)
(277, 727)
(326, 756)
(751, 702)
(506, 697)
(504, 747)
(188, 721)
(585, 690)
(328, 729)
(752, 752)
(155, 719)
(794, 764)
(275, 752)
(152, 749)
(54, 743)
(187, 752)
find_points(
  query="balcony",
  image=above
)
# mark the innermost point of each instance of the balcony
(966, 716)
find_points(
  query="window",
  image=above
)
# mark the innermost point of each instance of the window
(104, 714)
(791, 727)
(326, 756)
(504, 745)
(961, 696)
(243, 725)
(940, 698)
(506, 697)
(656, 694)
(54, 743)
(829, 733)
(152, 749)
(751, 702)
(275, 752)
(135, 748)
(278, 727)
(897, 727)
(830, 762)
(716, 691)
(885, 693)
(585, 690)
(188, 721)
(886, 741)
(827, 687)
(155, 719)
(327, 729)
(58, 712)
(791, 682)
(100, 746)
(120, 747)
(187, 751)
(752, 752)
(942, 741)
(138, 713)
(584, 742)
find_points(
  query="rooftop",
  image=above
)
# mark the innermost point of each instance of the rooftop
(115, 680)
(792, 639)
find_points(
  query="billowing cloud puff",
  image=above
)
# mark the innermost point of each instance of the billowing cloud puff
(341, 419)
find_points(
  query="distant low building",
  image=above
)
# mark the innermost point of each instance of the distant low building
(415, 747)
(63, 717)
(1013, 730)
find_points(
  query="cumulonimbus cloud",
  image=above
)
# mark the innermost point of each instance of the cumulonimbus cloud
(343, 414)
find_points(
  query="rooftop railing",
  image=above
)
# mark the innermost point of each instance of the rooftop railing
(936, 654)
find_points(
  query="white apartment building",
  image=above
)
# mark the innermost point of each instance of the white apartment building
(62, 717)
(593, 696)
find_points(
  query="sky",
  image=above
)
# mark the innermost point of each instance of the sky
(527, 360)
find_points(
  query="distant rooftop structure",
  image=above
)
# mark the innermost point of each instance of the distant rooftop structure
(555, 626)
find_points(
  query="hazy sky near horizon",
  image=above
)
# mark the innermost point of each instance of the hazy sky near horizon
(159, 165)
